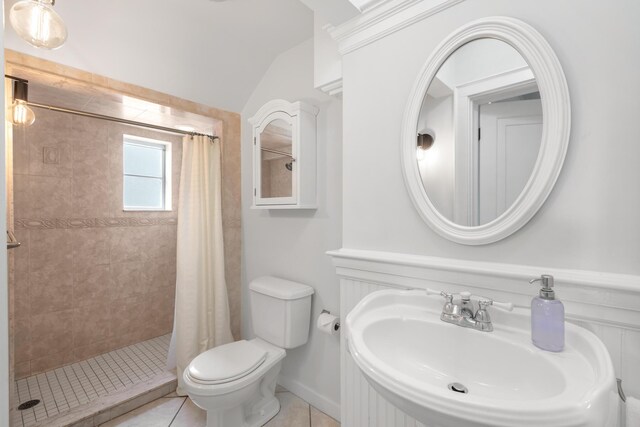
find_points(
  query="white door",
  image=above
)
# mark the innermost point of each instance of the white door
(510, 136)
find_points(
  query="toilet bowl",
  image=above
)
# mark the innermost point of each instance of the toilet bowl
(235, 383)
(247, 397)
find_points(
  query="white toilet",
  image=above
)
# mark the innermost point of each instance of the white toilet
(235, 383)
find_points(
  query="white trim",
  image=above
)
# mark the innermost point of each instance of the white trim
(282, 206)
(311, 396)
(332, 88)
(555, 135)
(363, 5)
(165, 147)
(291, 108)
(466, 98)
(382, 19)
(605, 298)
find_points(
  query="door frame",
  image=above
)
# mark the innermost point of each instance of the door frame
(466, 98)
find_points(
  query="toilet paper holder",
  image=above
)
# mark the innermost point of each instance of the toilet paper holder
(337, 327)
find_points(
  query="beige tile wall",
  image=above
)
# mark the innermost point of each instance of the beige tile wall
(275, 178)
(231, 214)
(90, 278)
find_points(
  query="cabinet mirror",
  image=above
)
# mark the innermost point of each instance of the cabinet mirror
(276, 160)
(284, 156)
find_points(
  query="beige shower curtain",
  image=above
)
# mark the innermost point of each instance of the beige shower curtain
(202, 307)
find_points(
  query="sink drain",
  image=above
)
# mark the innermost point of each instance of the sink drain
(28, 404)
(458, 388)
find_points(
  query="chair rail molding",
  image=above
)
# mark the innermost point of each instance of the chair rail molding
(382, 18)
(598, 297)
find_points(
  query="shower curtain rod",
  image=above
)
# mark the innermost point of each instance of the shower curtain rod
(282, 153)
(118, 120)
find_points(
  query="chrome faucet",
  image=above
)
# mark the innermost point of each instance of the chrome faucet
(463, 312)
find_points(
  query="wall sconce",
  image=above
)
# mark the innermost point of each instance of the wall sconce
(38, 24)
(425, 141)
(19, 113)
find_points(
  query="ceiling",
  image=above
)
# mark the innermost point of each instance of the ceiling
(213, 53)
(334, 12)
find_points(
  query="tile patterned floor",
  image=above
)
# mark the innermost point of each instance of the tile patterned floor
(175, 411)
(73, 385)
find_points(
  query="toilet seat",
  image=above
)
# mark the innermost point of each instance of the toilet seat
(226, 363)
(197, 387)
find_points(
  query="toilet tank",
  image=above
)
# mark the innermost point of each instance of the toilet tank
(281, 311)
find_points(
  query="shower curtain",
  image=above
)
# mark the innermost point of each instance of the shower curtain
(201, 318)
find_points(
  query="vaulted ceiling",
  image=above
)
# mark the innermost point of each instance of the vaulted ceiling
(210, 52)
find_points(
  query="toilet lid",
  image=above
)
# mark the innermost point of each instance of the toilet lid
(227, 362)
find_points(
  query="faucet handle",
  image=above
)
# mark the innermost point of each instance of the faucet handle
(447, 296)
(508, 306)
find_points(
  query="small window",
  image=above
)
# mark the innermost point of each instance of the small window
(147, 174)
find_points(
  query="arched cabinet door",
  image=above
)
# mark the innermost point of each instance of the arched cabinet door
(284, 156)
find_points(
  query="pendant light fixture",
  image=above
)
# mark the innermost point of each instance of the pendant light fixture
(19, 113)
(425, 141)
(37, 23)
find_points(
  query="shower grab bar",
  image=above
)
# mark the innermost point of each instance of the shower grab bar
(12, 242)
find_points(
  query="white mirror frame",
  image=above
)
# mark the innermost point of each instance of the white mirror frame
(556, 111)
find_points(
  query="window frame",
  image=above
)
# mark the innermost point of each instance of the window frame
(165, 147)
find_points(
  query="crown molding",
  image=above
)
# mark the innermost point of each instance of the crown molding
(333, 88)
(382, 19)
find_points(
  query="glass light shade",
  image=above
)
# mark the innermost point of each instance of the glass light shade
(37, 23)
(20, 114)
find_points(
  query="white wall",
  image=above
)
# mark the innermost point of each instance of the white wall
(291, 243)
(590, 220)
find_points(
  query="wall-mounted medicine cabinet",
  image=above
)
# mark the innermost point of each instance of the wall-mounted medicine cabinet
(284, 156)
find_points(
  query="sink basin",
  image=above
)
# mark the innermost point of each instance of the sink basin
(444, 375)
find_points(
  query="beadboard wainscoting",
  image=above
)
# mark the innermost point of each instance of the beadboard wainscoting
(606, 304)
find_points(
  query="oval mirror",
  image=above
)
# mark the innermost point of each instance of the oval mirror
(486, 131)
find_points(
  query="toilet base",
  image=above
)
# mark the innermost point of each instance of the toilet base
(251, 406)
(235, 417)
(268, 411)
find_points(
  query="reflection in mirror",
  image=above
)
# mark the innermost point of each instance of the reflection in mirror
(483, 116)
(276, 163)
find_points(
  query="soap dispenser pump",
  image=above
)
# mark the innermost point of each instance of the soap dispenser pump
(547, 317)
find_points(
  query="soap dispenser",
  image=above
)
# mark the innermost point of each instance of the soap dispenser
(547, 317)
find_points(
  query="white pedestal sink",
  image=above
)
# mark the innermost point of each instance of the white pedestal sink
(421, 365)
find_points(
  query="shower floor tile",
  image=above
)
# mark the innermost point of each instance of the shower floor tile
(65, 388)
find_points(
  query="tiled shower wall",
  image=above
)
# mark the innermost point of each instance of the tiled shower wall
(89, 278)
(276, 178)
